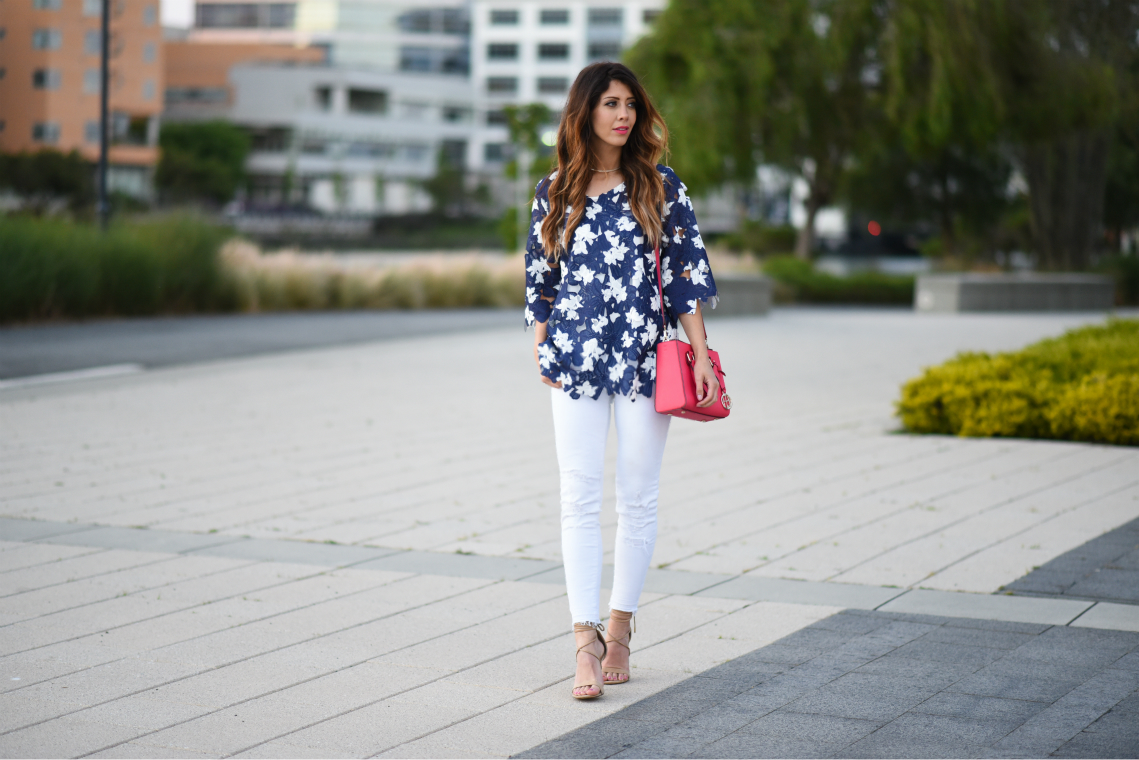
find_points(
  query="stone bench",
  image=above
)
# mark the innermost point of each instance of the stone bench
(1013, 292)
(741, 294)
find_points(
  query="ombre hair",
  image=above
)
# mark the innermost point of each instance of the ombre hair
(648, 142)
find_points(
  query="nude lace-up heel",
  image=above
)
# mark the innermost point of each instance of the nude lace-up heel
(619, 617)
(578, 628)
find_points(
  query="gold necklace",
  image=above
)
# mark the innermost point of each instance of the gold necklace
(606, 171)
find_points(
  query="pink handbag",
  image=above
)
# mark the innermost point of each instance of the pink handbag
(675, 391)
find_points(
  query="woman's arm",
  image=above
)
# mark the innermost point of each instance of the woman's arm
(540, 334)
(702, 366)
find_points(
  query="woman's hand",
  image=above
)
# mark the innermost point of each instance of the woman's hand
(705, 378)
(539, 339)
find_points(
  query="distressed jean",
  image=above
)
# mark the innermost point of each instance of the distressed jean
(581, 427)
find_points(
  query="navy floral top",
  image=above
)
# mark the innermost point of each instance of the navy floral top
(604, 325)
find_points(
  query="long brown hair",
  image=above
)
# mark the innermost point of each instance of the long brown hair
(648, 141)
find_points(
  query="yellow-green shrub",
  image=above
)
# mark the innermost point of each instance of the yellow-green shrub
(1082, 386)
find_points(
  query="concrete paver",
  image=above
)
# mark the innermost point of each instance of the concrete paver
(445, 632)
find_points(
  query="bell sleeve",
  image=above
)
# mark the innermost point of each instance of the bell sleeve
(682, 250)
(542, 279)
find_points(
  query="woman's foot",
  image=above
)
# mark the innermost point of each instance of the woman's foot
(588, 680)
(616, 663)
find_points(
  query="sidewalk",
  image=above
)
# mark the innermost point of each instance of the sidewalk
(354, 551)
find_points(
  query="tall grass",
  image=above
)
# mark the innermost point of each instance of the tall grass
(53, 268)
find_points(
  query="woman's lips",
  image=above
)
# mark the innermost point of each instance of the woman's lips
(621, 130)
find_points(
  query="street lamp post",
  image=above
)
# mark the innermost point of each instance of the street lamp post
(103, 209)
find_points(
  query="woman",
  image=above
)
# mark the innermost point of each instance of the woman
(591, 292)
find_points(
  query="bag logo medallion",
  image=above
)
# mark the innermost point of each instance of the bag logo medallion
(726, 401)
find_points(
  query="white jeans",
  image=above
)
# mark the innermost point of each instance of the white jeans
(580, 429)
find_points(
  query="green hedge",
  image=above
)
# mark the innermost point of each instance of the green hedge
(1082, 386)
(53, 268)
(805, 284)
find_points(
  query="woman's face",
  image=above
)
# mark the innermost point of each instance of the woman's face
(615, 115)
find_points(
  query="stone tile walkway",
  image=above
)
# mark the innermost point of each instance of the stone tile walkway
(334, 537)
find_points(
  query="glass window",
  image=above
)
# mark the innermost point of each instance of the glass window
(456, 21)
(45, 131)
(496, 119)
(149, 52)
(504, 18)
(604, 51)
(367, 101)
(554, 16)
(502, 85)
(3, 72)
(500, 51)
(91, 81)
(493, 152)
(651, 15)
(46, 39)
(148, 89)
(196, 95)
(605, 16)
(456, 113)
(149, 15)
(553, 51)
(282, 15)
(91, 132)
(92, 7)
(46, 79)
(417, 21)
(245, 15)
(552, 85)
(47, 5)
(92, 42)
(323, 98)
(445, 60)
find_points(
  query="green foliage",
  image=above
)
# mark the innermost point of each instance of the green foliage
(1082, 386)
(1125, 270)
(46, 176)
(203, 161)
(804, 284)
(760, 238)
(61, 269)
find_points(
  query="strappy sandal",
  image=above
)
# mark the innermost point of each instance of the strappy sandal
(624, 617)
(577, 628)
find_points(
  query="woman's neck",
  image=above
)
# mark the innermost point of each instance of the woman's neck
(606, 157)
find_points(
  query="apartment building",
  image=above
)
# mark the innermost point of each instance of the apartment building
(50, 82)
(423, 36)
(529, 51)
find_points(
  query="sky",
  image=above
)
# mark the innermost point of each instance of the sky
(178, 13)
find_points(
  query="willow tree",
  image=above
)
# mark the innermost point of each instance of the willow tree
(743, 82)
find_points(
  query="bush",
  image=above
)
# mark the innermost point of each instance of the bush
(52, 268)
(805, 284)
(1082, 386)
(760, 238)
(201, 161)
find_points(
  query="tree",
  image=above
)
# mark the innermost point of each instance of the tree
(524, 124)
(788, 82)
(47, 177)
(203, 161)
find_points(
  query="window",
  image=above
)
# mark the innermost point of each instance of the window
(552, 85)
(499, 51)
(91, 132)
(176, 95)
(46, 39)
(550, 16)
(313, 146)
(604, 51)
(605, 16)
(323, 98)
(370, 150)
(367, 101)
(504, 18)
(553, 51)
(45, 132)
(650, 16)
(91, 81)
(148, 89)
(435, 20)
(270, 139)
(493, 152)
(245, 15)
(502, 85)
(92, 7)
(417, 21)
(92, 42)
(3, 72)
(149, 15)
(456, 113)
(2, 125)
(149, 53)
(46, 79)
(440, 60)
(47, 5)
(496, 119)
(454, 153)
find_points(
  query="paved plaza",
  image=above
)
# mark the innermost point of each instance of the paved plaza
(354, 551)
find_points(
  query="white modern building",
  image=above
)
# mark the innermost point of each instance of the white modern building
(529, 51)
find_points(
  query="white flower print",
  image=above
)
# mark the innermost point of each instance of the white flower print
(588, 390)
(545, 355)
(599, 323)
(638, 273)
(563, 341)
(627, 339)
(592, 212)
(626, 224)
(585, 274)
(678, 237)
(565, 380)
(615, 290)
(698, 242)
(538, 267)
(649, 336)
(636, 319)
(531, 295)
(571, 305)
(665, 271)
(617, 370)
(617, 248)
(692, 306)
(583, 237)
(590, 353)
(698, 277)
